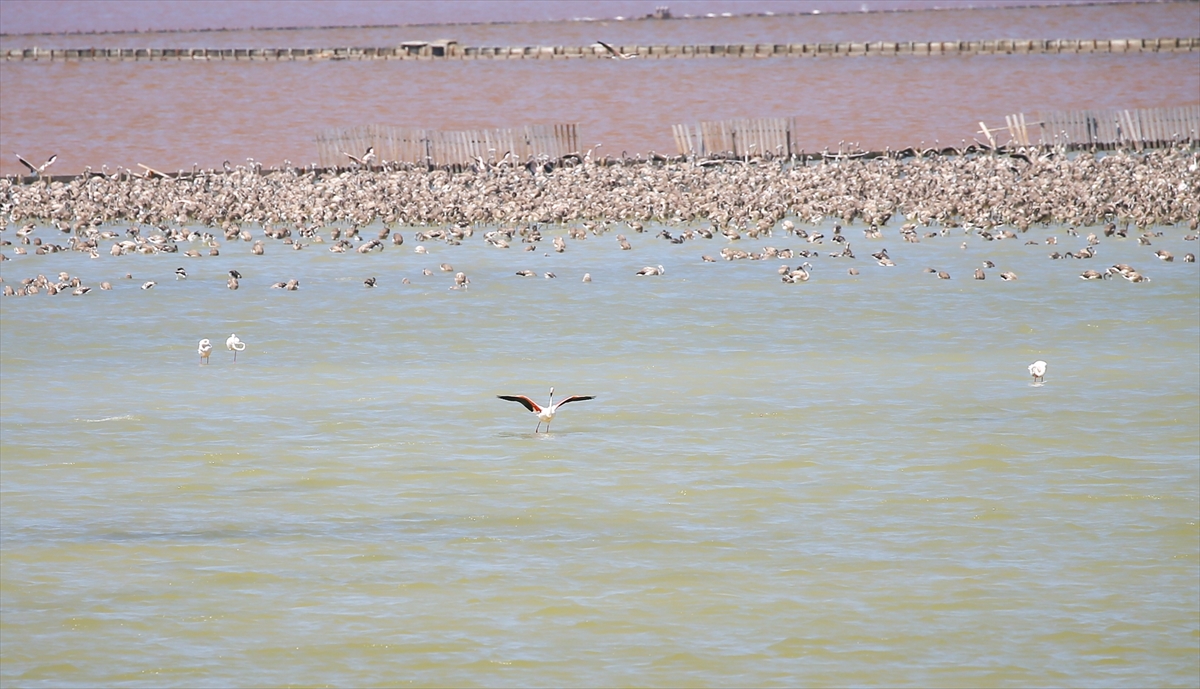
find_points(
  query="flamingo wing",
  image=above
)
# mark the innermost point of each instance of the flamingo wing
(32, 170)
(574, 398)
(529, 404)
(609, 48)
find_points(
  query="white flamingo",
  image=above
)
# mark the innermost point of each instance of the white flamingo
(1038, 370)
(545, 414)
(234, 345)
(205, 350)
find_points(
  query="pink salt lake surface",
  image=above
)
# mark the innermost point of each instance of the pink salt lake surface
(171, 115)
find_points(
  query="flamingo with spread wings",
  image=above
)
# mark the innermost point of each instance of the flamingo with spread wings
(545, 414)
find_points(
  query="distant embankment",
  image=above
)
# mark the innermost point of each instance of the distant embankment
(451, 50)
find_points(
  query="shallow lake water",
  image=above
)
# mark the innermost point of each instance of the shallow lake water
(848, 481)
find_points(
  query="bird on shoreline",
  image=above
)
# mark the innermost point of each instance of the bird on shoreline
(367, 158)
(545, 414)
(39, 169)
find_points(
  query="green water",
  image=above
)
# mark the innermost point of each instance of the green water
(849, 481)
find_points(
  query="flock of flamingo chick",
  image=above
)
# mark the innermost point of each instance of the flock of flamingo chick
(694, 200)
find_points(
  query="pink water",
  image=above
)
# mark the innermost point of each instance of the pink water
(171, 115)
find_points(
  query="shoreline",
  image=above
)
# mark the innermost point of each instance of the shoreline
(995, 188)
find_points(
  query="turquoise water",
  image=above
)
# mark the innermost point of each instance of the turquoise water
(851, 480)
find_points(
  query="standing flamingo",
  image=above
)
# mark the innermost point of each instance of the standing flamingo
(234, 345)
(544, 414)
(205, 349)
(1038, 370)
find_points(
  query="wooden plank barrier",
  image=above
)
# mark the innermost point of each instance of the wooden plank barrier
(433, 147)
(1102, 129)
(448, 49)
(741, 137)
(1076, 129)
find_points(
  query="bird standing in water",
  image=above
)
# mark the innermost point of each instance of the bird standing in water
(1038, 370)
(545, 414)
(234, 345)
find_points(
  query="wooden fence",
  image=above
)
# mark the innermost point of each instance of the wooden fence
(1102, 129)
(1076, 129)
(400, 144)
(739, 137)
(451, 50)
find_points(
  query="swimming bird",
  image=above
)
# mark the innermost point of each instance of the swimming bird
(180, 274)
(587, 277)
(369, 282)
(1038, 370)
(979, 274)
(205, 350)
(651, 270)
(149, 284)
(545, 414)
(1008, 275)
(234, 345)
(232, 282)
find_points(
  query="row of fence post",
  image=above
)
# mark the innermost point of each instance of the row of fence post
(448, 49)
